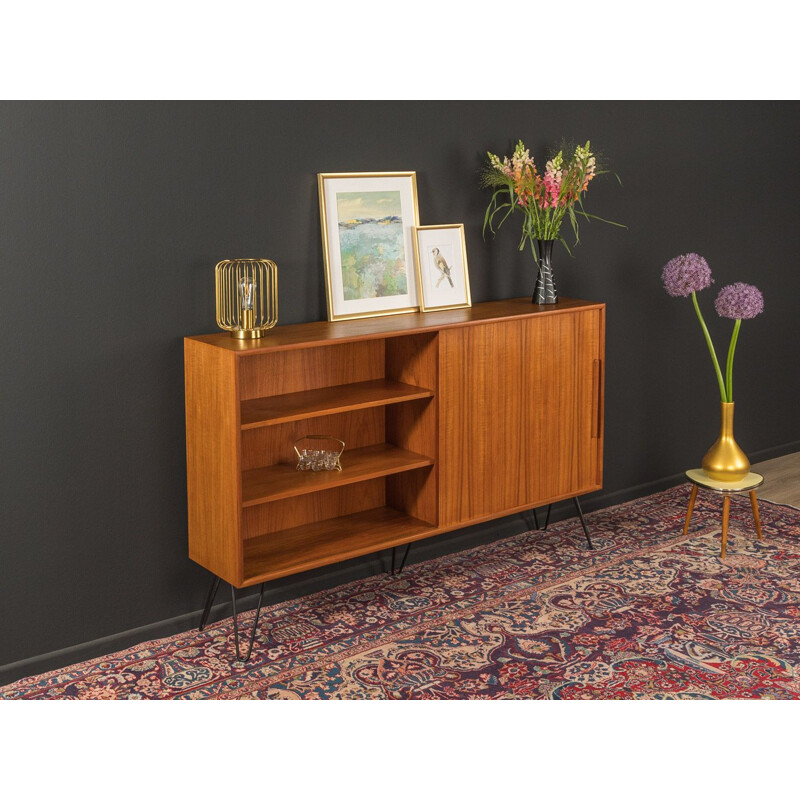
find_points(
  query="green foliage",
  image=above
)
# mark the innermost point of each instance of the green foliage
(544, 199)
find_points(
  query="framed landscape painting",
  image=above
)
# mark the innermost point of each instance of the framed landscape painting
(442, 275)
(367, 238)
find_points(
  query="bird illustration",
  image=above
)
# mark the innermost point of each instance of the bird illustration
(442, 266)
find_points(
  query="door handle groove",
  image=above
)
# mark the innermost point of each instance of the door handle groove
(596, 405)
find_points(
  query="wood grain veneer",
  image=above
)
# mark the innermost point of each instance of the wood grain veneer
(450, 418)
(414, 426)
(288, 371)
(519, 417)
(284, 480)
(600, 397)
(316, 507)
(212, 460)
(330, 400)
(274, 444)
(320, 334)
(310, 546)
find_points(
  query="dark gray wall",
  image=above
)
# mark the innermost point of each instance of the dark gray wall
(114, 214)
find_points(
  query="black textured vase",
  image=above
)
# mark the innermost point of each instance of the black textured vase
(545, 289)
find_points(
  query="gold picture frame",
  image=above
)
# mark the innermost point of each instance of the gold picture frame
(440, 255)
(367, 221)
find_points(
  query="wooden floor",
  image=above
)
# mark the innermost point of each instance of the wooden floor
(781, 479)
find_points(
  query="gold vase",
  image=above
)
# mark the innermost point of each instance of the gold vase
(725, 460)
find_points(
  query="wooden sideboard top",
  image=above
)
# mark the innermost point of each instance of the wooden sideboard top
(314, 334)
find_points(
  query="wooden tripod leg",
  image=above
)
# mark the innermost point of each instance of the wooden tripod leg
(754, 504)
(726, 510)
(692, 498)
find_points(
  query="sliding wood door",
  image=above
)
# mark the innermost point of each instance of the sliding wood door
(520, 406)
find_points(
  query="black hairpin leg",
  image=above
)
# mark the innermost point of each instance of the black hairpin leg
(405, 556)
(212, 593)
(580, 514)
(403, 562)
(531, 519)
(583, 522)
(236, 624)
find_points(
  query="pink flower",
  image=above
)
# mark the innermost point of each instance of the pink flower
(553, 180)
(552, 189)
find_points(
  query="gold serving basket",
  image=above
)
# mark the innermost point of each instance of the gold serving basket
(247, 296)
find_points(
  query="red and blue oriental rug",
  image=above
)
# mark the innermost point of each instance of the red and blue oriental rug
(648, 614)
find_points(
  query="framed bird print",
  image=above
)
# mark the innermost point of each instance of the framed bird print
(442, 274)
(367, 222)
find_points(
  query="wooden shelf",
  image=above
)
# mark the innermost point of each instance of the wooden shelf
(330, 400)
(362, 464)
(308, 546)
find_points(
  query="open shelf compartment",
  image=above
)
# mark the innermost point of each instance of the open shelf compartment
(281, 481)
(327, 400)
(319, 543)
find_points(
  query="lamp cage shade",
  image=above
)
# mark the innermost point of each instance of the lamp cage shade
(247, 296)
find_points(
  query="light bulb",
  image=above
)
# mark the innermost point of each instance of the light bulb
(247, 294)
(247, 291)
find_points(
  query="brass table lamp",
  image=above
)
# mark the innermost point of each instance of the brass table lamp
(247, 296)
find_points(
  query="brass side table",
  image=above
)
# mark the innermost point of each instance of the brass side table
(749, 483)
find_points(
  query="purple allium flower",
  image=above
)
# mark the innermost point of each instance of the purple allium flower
(739, 301)
(686, 274)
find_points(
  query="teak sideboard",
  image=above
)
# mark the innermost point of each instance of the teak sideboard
(449, 418)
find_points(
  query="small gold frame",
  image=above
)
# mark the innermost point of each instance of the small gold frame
(261, 312)
(456, 232)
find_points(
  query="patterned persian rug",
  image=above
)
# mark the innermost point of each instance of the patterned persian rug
(648, 614)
